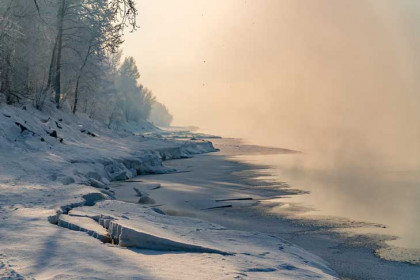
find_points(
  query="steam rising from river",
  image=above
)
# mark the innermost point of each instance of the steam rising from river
(336, 79)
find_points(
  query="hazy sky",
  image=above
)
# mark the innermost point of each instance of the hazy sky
(299, 74)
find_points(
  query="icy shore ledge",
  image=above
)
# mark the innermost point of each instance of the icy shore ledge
(56, 169)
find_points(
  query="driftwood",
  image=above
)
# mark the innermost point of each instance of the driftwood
(219, 207)
(233, 199)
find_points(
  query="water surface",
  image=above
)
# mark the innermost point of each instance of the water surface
(386, 197)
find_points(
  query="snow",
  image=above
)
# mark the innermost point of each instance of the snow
(59, 218)
(84, 224)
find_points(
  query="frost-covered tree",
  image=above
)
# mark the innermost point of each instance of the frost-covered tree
(11, 37)
(135, 100)
(99, 24)
(159, 115)
(66, 51)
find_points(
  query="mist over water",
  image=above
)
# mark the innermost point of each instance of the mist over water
(337, 80)
(389, 199)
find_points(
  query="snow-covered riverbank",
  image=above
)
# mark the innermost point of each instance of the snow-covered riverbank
(60, 220)
(225, 189)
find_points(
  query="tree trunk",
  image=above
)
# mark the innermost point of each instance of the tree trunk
(57, 80)
(76, 95)
(51, 69)
(5, 79)
(76, 91)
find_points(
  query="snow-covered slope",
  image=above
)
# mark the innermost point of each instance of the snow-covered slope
(57, 146)
(59, 219)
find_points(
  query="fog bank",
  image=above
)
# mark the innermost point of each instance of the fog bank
(331, 77)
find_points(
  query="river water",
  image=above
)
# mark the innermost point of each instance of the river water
(388, 198)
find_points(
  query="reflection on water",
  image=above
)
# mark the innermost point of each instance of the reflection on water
(370, 194)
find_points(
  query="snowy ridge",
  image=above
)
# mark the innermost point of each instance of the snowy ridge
(76, 149)
(110, 230)
(136, 226)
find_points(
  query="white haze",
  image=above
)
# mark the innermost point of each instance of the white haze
(337, 80)
(333, 76)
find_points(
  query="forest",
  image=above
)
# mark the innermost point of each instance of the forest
(67, 52)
